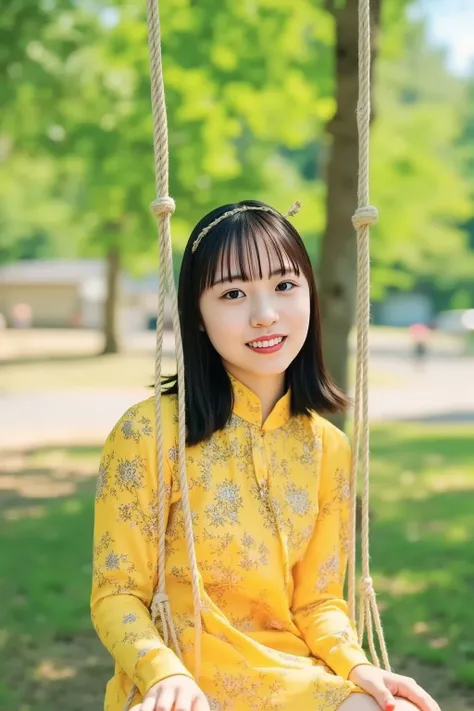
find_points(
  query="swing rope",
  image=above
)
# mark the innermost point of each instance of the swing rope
(163, 208)
(364, 217)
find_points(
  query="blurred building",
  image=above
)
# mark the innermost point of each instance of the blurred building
(403, 309)
(71, 294)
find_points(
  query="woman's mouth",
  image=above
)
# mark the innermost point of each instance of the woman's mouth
(267, 345)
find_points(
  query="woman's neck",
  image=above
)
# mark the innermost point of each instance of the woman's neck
(268, 389)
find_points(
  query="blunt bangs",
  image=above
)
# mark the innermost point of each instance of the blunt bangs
(235, 251)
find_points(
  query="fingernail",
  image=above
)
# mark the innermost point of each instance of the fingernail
(389, 706)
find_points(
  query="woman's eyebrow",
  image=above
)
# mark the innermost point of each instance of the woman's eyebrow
(228, 278)
(240, 277)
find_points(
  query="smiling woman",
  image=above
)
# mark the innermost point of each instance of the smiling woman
(249, 306)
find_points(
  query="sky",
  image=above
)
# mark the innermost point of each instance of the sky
(451, 24)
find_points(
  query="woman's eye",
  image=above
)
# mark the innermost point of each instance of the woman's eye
(286, 286)
(233, 294)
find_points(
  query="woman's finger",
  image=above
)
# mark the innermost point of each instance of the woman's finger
(164, 699)
(418, 696)
(200, 704)
(184, 700)
(381, 694)
(148, 703)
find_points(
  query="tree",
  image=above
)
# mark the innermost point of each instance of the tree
(249, 90)
(416, 171)
(35, 214)
(221, 104)
(337, 274)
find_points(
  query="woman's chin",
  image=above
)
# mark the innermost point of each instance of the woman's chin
(266, 365)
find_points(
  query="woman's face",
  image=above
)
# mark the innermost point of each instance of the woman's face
(258, 327)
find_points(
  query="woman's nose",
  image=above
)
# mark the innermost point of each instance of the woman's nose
(264, 314)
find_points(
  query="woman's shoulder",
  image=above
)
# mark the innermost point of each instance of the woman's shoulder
(138, 422)
(332, 438)
(129, 458)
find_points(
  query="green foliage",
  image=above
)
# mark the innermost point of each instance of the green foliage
(35, 216)
(418, 180)
(249, 90)
(231, 103)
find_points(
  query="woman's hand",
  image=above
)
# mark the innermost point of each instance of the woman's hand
(178, 692)
(384, 686)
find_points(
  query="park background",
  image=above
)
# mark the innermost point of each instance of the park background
(260, 100)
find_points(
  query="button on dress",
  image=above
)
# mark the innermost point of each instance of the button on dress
(270, 507)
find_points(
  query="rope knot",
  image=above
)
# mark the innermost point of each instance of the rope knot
(160, 598)
(367, 585)
(163, 206)
(365, 217)
(157, 605)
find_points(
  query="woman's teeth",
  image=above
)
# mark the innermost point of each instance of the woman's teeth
(265, 344)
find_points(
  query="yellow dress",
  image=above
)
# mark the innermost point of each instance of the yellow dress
(271, 507)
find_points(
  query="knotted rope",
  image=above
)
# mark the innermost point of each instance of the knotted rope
(364, 217)
(163, 207)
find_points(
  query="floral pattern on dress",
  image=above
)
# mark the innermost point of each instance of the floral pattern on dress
(112, 568)
(269, 505)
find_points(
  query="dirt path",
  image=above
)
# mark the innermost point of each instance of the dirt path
(441, 391)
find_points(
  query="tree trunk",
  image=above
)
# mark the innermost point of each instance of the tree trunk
(337, 264)
(110, 306)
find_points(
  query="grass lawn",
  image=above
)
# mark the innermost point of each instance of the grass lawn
(423, 518)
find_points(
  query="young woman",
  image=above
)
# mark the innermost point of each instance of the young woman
(268, 487)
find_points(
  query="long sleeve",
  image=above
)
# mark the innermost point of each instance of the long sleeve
(125, 551)
(319, 609)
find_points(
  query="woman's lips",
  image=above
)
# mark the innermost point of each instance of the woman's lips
(267, 345)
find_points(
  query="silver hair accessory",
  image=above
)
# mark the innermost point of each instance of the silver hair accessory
(294, 209)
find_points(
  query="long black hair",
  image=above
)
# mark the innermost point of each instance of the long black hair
(209, 397)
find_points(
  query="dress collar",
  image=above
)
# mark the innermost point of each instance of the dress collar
(247, 406)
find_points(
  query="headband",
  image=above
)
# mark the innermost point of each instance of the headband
(294, 209)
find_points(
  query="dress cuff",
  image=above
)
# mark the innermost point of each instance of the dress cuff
(345, 658)
(158, 664)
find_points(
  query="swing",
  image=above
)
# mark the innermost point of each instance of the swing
(163, 208)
